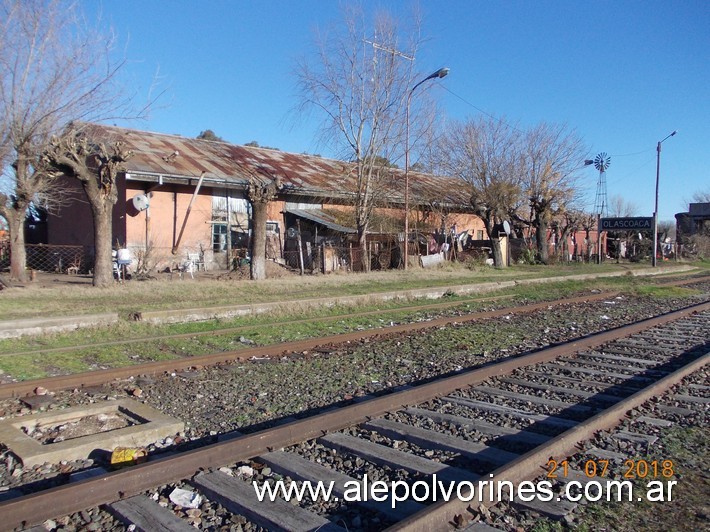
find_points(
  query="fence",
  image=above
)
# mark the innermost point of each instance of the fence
(381, 255)
(4, 254)
(325, 258)
(75, 260)
(58, 259)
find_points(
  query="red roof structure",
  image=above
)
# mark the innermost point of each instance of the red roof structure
(172, 158)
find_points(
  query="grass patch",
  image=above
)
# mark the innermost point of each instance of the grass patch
(97, 348)
(249, 326)
(666, 291)
(36, 300)
(25, 367)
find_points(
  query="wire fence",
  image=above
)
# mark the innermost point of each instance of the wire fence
(58, 259)
(309, 258)
(327, 258)
(4, 254)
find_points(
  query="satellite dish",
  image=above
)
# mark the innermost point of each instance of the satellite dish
(141, 202)
(506, 227)
(291, 232)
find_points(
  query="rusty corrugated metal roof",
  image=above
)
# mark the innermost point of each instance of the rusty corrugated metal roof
(322, 218)
(234, 165)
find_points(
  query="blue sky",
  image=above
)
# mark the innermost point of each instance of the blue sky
(623, 74)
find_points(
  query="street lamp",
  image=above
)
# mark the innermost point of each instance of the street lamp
(438, 74)
(655, 212)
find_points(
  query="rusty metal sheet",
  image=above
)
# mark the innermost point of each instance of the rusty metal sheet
(301, 174)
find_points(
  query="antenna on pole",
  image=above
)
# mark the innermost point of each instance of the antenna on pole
(601, 163)
(389, 50)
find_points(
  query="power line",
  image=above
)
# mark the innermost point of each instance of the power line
(481, 110)
(464, 100)
(633, 172)
(635, 153)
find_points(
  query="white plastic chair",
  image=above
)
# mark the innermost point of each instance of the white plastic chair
(190, 264)
(197, 260)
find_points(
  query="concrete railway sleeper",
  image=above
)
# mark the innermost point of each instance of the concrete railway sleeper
(500, 419)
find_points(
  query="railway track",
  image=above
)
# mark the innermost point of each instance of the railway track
(220, 331)
(98, 377)
(459, 302)
(507, 419)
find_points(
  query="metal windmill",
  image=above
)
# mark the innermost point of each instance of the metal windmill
(601, 163)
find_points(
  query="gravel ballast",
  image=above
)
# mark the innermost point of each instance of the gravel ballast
(250, 396)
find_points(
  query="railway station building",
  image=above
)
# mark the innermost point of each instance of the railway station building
(183, 198)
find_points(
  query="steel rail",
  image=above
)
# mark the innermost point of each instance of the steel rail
(97, 377)
(256, 326)
(241, 328)
(442, 515)
(36, 508)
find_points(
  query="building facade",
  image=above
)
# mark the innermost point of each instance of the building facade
(181, 197)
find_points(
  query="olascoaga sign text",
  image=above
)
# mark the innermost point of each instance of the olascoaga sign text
(637, 223)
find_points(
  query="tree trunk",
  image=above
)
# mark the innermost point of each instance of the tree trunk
(258, 240)
(15, 211)
(103, 262)
(543, 251)
(260, 193)
(362, 244)
(498, 259)
(97, 167)
(18, 254)
(563, 245)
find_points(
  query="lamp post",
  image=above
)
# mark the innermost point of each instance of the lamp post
(438, 74)
(655, 211)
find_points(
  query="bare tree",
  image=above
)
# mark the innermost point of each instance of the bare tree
(552, 156)
(96, 166)
(702, 196)
(359, 82)
(589, 224)
(567, 225)
(55, 69)
(520, 218)
(260, 193)
(620, 208)
(485, 153)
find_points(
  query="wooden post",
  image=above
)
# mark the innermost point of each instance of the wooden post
(229, 232)
(281, 244)
(599, 238)
(187, 213)
(147, 229)
(300, 246)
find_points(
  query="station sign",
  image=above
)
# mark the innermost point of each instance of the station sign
(637, 223)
